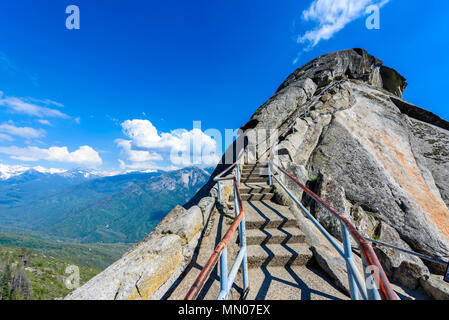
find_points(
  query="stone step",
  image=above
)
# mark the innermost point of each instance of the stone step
(267, 214)
(254, 180)
(256, 188)
(258, 163)
(277, 255)
(255, 169)
(292, 283)
(254, 196)
(274, 236)
(253, 175)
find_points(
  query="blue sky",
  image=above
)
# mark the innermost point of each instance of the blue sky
(122, 92)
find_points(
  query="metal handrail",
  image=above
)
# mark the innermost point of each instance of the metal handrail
(219, 177)
(422, 256)
(385, 291)
(220, 252)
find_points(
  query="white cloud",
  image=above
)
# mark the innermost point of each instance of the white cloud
(183, 147)
(142, 133)
(5, 137)
(332, 16)
(44, 122)
(85, 155)
(137, 155)
(24, 132)
(46, 102)
(31, 107)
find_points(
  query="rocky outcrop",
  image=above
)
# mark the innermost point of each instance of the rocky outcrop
(187, 224)
(353, 64)
(345, 131)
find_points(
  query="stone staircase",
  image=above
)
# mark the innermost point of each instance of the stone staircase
(281, 265)
(273, 237)
(278, 257)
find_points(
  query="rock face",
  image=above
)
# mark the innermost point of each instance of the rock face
(382, 162)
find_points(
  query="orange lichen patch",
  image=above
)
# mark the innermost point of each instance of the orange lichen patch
(404, 169)
(396, 156)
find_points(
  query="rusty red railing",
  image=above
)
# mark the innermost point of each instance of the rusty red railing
(220, 251)
(384, 288)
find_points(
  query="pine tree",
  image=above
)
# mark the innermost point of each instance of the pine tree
(5, 283)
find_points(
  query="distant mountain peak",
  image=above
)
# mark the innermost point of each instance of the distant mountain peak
(9, 171)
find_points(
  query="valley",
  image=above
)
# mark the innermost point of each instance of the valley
(50, 220)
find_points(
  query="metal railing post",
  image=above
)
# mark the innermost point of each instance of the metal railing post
(242, 238)
(238, 174)
(247, 154)
(219, 191)
(224, 274)
(242, 234)
(269, 173)
(348, 258)
(236, 203)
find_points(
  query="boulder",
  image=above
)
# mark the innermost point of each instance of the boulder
(365, 222)
(281, 197)
(162, 258)
(435, 287)
(137, 274)
(187, 225)
(206, 205)
(399, 266)
(334, 194)
(333, 265)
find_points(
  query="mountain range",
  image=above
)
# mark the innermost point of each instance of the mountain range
(90, 206)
